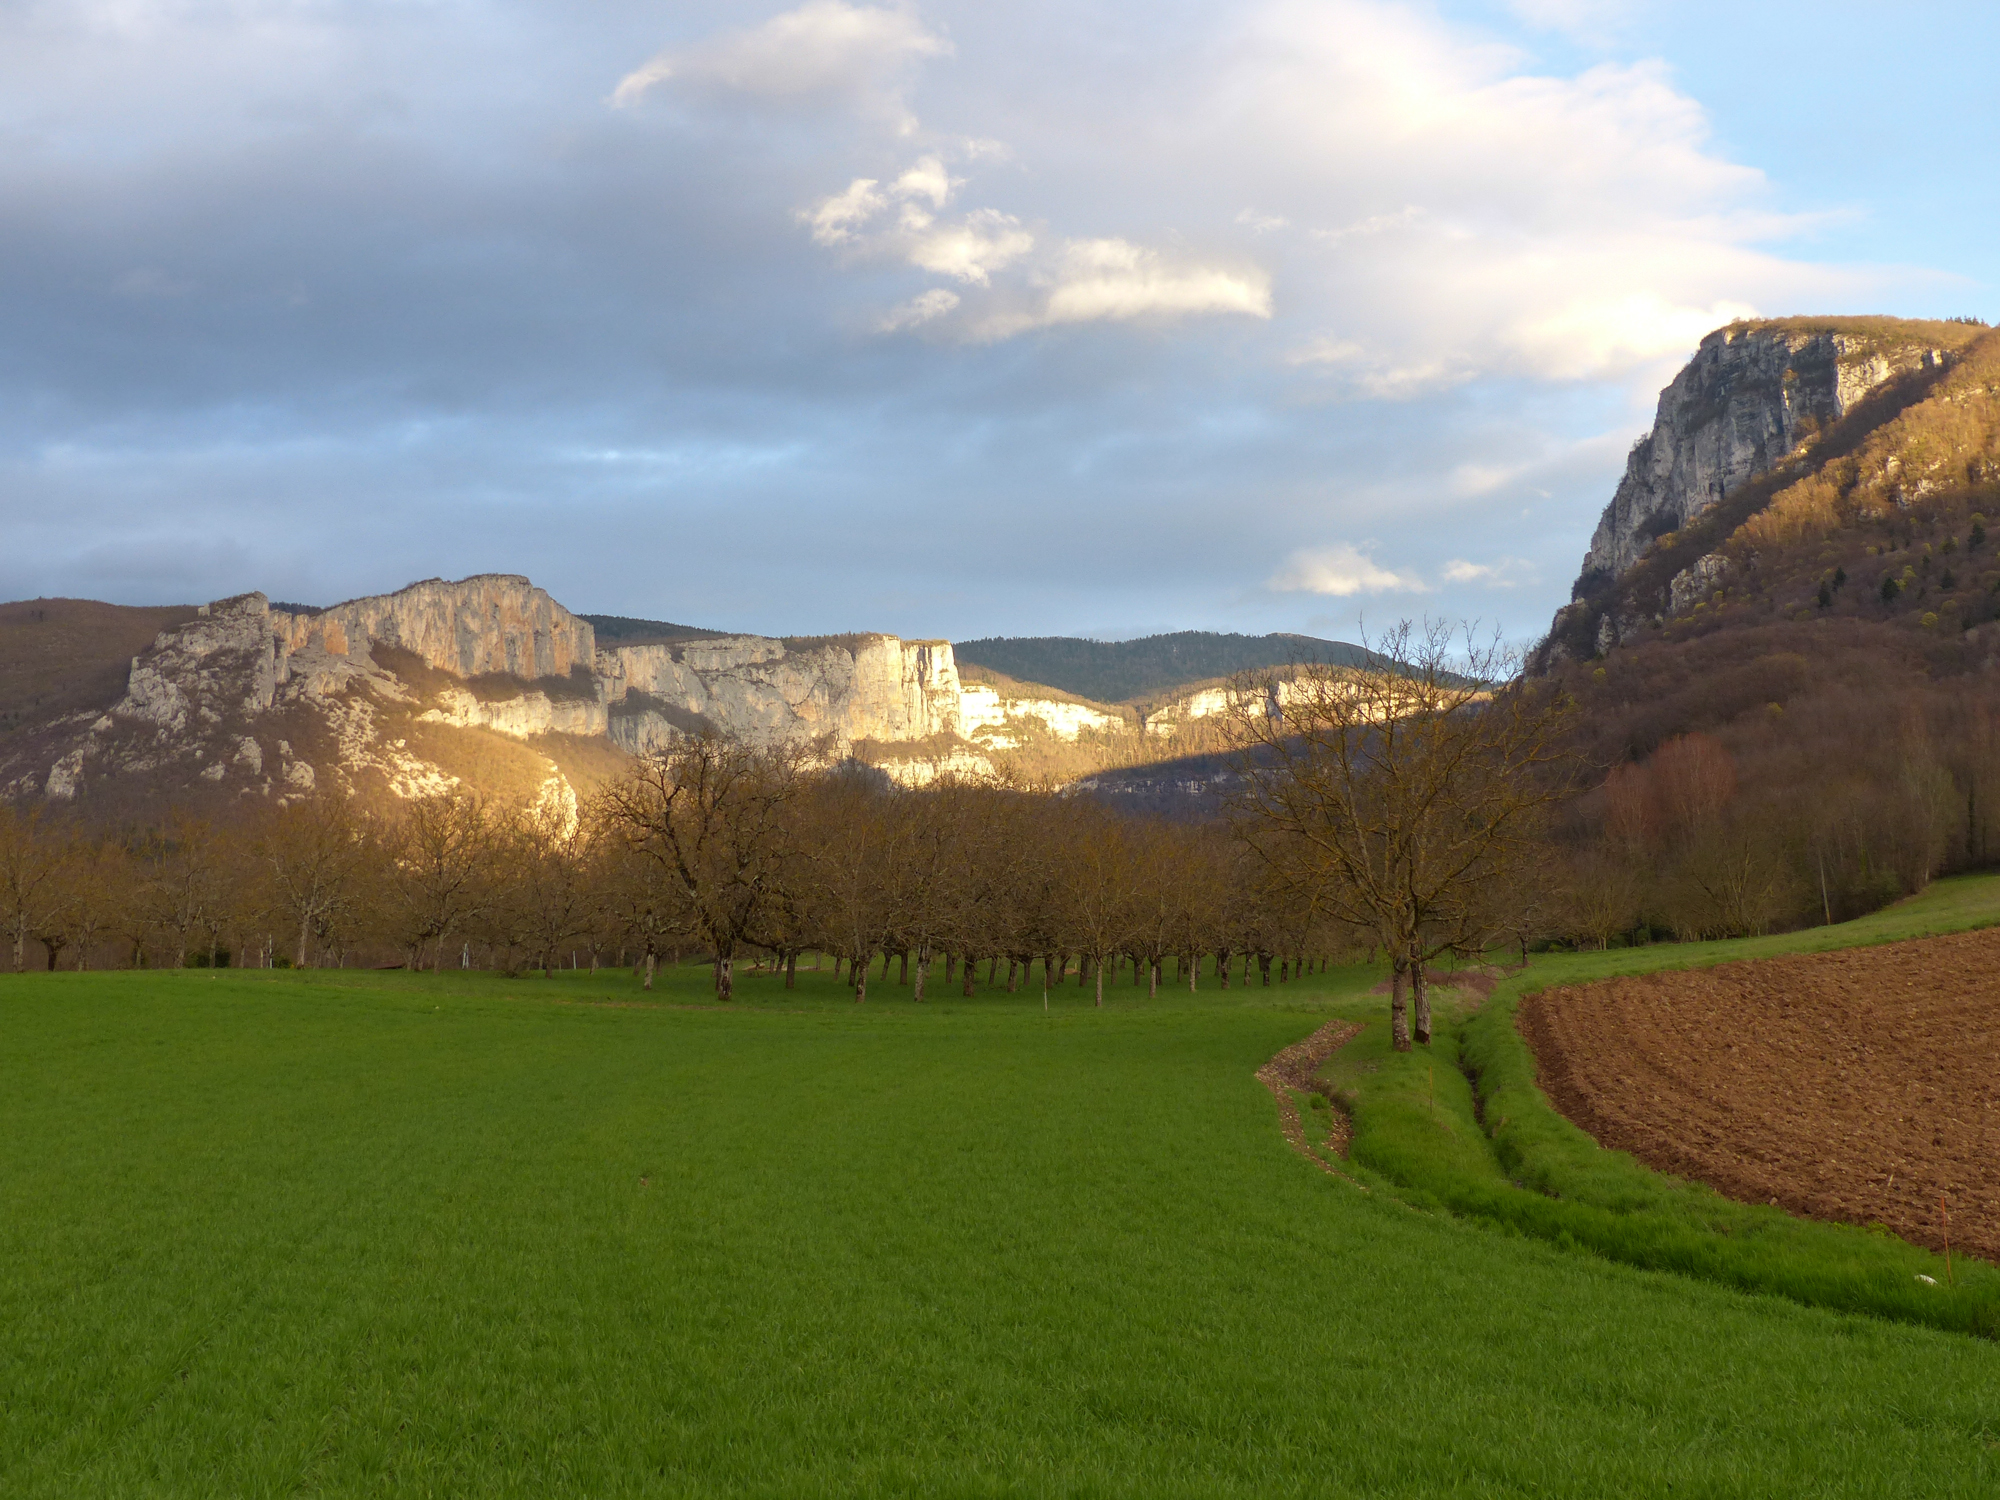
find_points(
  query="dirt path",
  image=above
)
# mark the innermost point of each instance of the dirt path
(1862, 1085)
(1294, 1068)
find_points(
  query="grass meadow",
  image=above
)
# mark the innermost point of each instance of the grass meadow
(356, 1234)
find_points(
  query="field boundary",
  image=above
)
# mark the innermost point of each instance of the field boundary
(1294, 1070)
(1492, 1147)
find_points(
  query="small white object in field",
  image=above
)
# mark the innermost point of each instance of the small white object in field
(1926, 1280)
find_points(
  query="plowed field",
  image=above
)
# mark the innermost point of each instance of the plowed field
(1861, 1085)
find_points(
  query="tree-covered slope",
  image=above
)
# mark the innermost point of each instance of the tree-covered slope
(1125, 671)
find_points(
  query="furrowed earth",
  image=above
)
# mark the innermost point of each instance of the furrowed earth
(1861, 1085)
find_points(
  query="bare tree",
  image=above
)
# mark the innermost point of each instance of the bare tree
(185, 881)
(712, 812)
(1096, 891)
(435, 876)
(1399, 800)
(310, 856)
(33, 856)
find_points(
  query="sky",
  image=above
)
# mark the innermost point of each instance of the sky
(945, 319)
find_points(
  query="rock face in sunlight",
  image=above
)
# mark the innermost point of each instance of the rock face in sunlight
(1761, 409)
(1750, 396)
(491, 623)
(851, 688)
(390, 695)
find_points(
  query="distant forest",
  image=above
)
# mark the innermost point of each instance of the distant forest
(622, 631)
(1126, 671)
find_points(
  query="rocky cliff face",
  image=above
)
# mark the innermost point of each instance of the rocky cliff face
(252, 699)
(870, 687)
(1760, 406)
(1750, 396)
(491, 623)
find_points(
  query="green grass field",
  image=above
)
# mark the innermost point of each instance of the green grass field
(345, 1234)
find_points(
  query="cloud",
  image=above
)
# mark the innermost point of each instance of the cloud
(825, 49)
(925, 307)
(1590, 21)
(1342, 571)
(983, 242)
(1492, 220)
(835, 219)
(1114, 279)
(1505, 573)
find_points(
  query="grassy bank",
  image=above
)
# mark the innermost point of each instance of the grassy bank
(1496, 1150)
(351, 1234)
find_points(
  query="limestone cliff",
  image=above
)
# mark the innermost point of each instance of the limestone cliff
(1750, 396)
(848, 688)
(490, 623)
(1759, 403)
(252, 699)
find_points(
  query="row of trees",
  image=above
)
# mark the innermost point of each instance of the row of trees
(719, 849)
(1382, 813)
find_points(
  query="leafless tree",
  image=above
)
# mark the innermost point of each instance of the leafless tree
(713, 812)
(1401, 800)
(310, 855)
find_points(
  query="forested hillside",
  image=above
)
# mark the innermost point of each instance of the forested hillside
(1128, 671)
(1796, 695)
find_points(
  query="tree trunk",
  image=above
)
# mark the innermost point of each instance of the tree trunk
(969, 972)
(858, 975)
(725, 977)
(1264, 968)
(923, 964)
(649, 969)
(1222, 957)
(1098, 965)
(1193, 962)
(1421, 995)
(950, 966)
(1083, 972)
(1153, 979)
(1399, 1014)
(792, 969)
(1013, 976)
(903, 968)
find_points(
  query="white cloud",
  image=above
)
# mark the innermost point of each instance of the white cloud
(1496, 221)
(824, 49)
(1342, 571)
(1592, 21)
(1262, 223)
(923, 308)
(983, 242)
(1114, 279)
(926, 179)
(1504, 573)
(834, 220)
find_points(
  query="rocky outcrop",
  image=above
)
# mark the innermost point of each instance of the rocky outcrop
(997, 719)
(522, 717)
(490, 623)
(1750, 396)
(206, 701)
(848, 688)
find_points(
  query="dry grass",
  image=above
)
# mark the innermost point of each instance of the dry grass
(61, 656)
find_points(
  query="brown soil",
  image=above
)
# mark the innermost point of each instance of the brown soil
(1861, 1086)
(1296, 1068)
